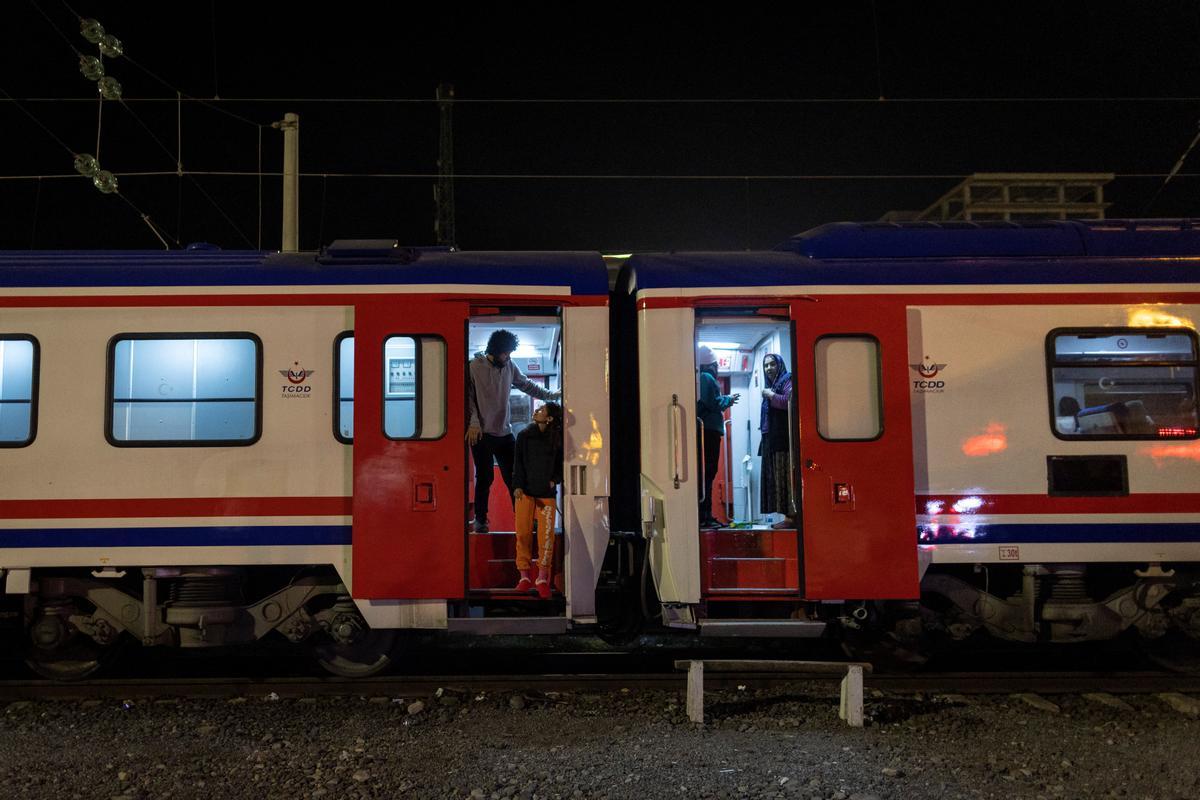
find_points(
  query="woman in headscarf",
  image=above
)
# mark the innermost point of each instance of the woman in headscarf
(775, 447)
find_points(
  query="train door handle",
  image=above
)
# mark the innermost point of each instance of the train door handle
(424, 494)
(579, 482)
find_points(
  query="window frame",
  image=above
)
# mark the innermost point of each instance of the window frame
(419, 340)
(878, 384)
(33, 386)
(1052, 363)
(337, 387)
(160, 336)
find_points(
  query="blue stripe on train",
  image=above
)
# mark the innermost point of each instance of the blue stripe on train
(1116, 533)
(256, 536)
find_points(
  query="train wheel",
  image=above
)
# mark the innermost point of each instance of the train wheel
(54, 649)
(1173, 652)
(895, 642)
(369, 654)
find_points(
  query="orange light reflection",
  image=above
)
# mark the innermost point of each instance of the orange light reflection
(1163, 453)
(992, 440)
(1151, 317)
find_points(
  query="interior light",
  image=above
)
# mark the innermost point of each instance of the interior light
(525, 351)
(721, 345)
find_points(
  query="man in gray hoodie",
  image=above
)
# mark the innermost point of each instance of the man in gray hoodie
(491, 376)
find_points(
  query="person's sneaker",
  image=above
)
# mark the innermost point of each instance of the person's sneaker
(543, 583)
(481, 526)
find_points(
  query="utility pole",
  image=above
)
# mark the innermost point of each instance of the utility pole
(443, 191)
(291, 181)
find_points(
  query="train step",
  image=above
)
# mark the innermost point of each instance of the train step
(501, 626)
(783, 628)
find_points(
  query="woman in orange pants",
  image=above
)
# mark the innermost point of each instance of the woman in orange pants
(537, 472)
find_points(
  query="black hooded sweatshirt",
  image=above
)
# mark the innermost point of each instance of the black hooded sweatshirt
(539, 460)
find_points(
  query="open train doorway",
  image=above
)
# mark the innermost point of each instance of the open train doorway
(490, 520)
(749, 538)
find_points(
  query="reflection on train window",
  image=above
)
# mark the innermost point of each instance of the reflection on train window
(1123, 383)
(18, 390)
(343, 356)
(414, 387)
(194, 389)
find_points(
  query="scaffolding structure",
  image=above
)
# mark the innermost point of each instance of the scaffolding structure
(1013, 196)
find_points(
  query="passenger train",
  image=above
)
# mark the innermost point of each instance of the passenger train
(993, 428)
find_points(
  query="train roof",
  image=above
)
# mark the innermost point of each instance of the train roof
(585, 273)
(966, 253)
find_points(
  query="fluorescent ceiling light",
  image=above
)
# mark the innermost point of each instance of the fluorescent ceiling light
(721, 345)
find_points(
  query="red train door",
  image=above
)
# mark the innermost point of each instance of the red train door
(854, 466)
(409, 537)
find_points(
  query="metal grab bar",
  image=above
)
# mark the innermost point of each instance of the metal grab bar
(676, 435)
(793, 421)
(703, 461)
(728, 448)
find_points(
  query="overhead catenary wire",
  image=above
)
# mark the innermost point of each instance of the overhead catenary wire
(177, 157)
(141, 214)
(1173, 173)
(189, 175)
(572, 176)
(625, 100)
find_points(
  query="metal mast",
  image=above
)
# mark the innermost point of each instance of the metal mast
(443, 191)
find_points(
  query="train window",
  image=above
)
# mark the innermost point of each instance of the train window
(192, 389)
(1123, 383)
(849, 396)
(343, 396)
(18, 390)
(414, 387)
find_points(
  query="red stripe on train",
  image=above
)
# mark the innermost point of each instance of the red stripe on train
(1180, 503)
(177, 507)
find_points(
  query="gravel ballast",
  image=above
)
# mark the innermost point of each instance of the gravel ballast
(779, 742)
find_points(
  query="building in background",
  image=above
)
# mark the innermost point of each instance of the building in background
(1013, 196)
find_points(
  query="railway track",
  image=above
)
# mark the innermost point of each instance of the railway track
(423, 685)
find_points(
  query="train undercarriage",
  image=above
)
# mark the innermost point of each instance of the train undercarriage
(73, 621)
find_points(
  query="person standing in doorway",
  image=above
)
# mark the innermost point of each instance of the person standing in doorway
(491, 377)
(537, 474)
(710, 408)
(775, 447)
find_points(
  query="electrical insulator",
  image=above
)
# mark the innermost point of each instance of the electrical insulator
(111, 46)
(110, 88)
(91, 30)
(86, 165)
(91, 68)
(105, 181)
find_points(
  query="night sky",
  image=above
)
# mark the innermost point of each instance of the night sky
(640, 174)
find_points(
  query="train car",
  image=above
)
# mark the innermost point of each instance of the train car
(993, 427)
(200, 447)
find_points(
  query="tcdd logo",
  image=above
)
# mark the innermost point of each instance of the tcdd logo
(296, 377)
(928, 370)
